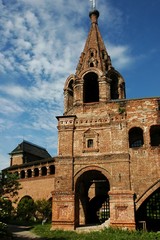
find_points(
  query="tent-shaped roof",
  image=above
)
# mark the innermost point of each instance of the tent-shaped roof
(27, 147)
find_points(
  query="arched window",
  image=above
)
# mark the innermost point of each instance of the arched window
(91, 88)
(135, 137)
(92, 54)
(29, 173)
(36, 172)
(155, 135)
(90, 143)
(44, 171)
(52, 169)
(22, 174)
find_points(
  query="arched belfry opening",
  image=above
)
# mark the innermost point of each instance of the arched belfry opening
(92, 200)
(114, 86)
(117, 86)
(90, 88)
(70, 94)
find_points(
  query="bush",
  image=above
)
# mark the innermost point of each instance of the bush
(43, 209)
(26, 209)
(30, 211)
(5, 209)
(5, 234)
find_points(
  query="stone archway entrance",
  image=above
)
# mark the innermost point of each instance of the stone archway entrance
(92, 200)
(149, 212)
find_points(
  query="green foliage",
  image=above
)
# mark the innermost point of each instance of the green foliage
(5, 209)
(9, 185)
(26, 209)
(121, 110)
(4, 232)
(107, 234)
(43, 209)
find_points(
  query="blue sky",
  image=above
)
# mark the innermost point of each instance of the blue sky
(40, 45)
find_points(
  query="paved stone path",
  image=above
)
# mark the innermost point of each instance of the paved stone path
(23, 233)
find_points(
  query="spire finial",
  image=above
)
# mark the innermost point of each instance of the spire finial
(93, 5)
(93, 11)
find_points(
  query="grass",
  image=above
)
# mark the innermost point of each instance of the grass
(107, 234)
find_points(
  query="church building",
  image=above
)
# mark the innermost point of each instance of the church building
(108, 162)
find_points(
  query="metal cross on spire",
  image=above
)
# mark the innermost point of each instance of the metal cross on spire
(93, 4)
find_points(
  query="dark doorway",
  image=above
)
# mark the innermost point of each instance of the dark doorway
(92, 200)
(149, 212)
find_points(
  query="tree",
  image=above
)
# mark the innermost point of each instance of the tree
(44, 208)
(9, 184)
(5, 209)
(9, 187)
(26, 209)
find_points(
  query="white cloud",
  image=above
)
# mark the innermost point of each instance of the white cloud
(46, 91)
(5, 124)
(40, 45)
(42, 39)
(121, 56)
(9, 107)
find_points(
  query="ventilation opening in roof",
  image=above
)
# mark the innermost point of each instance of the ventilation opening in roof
(90, 88)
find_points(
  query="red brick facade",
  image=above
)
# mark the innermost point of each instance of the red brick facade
(108, 163)
(105, 145)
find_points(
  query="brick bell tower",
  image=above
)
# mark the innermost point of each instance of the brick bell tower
(92, 169)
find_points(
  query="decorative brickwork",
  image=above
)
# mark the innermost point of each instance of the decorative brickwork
(108, 163)
(104, 141)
